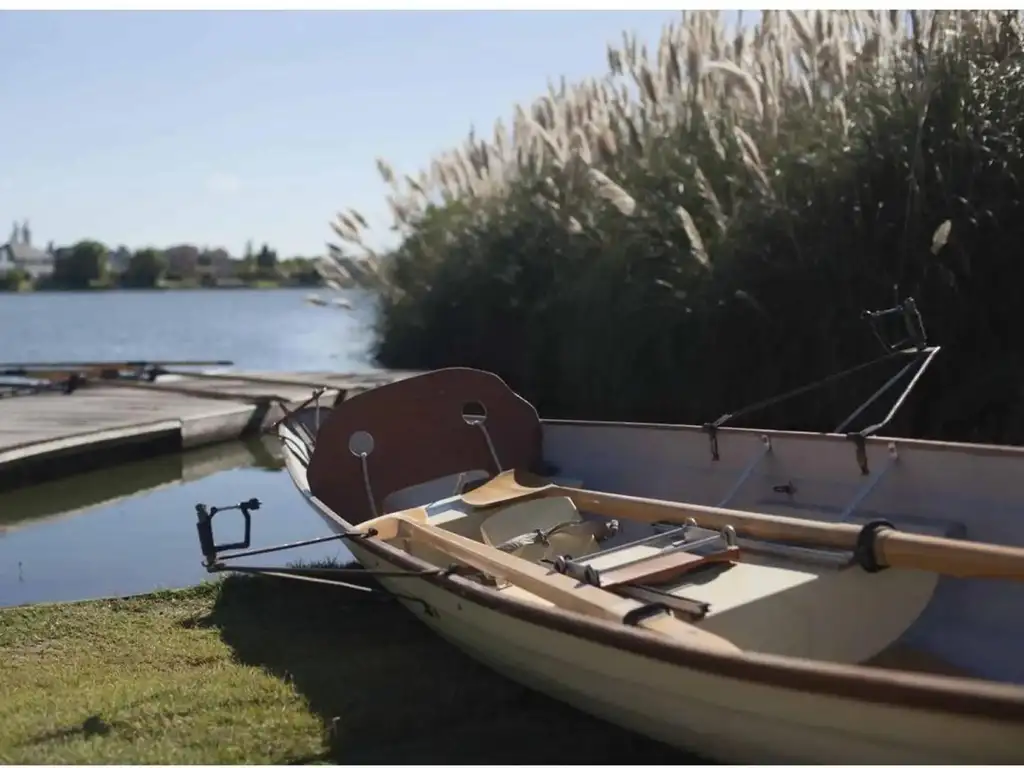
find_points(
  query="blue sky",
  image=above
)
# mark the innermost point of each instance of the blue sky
(214, 128)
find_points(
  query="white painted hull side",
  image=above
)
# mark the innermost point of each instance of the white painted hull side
(731, 719)
(720, 718)
(973, 491)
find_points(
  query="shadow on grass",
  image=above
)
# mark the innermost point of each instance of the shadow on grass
(389, 691)
(94, 725)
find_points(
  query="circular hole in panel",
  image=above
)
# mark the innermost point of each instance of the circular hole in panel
(361, 444)
(474, 413)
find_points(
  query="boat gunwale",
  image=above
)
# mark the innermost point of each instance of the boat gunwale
(917, 690)
(976, 449)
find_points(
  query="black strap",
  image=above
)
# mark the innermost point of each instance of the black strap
(864, 550)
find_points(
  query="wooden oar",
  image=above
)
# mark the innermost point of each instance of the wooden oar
(98, 366)
(257, 379)
(549, 585)
(54, 371)
(949, 557)
(184, 389)
(103, 364)
(57, 372)
(43, 374)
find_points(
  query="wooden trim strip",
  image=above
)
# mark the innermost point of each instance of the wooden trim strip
(974, 449)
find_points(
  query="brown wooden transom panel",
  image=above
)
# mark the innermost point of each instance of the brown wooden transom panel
(419, 435)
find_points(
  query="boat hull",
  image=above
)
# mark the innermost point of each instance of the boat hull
(724, 716)
(723, 719)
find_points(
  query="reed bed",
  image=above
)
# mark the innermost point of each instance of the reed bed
(702, 226)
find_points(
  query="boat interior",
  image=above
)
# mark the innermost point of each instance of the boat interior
(414, 463)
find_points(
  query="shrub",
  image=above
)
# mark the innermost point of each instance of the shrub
(13, 280)
(702, 229)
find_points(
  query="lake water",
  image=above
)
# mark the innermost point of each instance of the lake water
(132, 529)
(257, 330)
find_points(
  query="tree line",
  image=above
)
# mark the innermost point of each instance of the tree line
(87, 264)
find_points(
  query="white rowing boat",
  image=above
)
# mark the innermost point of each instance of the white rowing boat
(751, 596)
(759, 643)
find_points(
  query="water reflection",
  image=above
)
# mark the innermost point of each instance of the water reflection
(81, 493)
(132, 529)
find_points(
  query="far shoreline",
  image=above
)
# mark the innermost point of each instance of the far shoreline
(171, 289)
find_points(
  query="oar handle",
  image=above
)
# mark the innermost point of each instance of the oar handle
(950, 557)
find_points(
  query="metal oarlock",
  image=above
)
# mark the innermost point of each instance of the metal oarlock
(335, 577)
(911, 348)
(204, 525)
(211, 549)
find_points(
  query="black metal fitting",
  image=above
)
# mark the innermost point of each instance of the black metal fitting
(204, 527)
(644, 612)
(864, 550)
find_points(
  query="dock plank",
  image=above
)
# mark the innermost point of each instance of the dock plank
(209, 410)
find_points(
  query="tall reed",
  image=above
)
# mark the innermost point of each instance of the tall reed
(703, 225)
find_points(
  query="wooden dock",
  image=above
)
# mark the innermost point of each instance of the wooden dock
(49, 435)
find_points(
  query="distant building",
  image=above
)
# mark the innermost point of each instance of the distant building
(216, 264)
(181, 261)
(189, 262)
(118, 260)
(19, 253)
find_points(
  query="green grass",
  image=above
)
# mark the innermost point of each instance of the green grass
(252, 670)
(265, 283)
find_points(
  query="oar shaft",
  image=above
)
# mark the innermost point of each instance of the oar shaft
(79, 365)
(950, 557)
(31, 373)
(561, 590)
(256, 379)
(549, 585)
(755, 524)
(52, 371)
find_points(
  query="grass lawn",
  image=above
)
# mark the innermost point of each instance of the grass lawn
(253, 670)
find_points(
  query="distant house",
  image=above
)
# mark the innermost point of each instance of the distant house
(19, 253)
(189, 262)
(216, 264)
(181, 261)
(118, 260)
